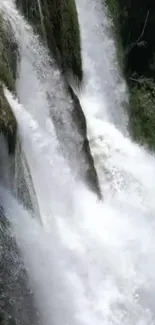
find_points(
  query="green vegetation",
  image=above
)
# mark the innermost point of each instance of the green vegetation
(142, 111)
(57, 23)
(134, 22)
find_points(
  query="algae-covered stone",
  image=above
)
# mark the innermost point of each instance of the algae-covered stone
(57, 22)
(8, 51)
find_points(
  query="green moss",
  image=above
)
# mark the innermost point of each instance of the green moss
(57, 23)
(142, 111)
(113, 6)
(8, 51)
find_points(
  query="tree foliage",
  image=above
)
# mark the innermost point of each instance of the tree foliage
(135, 21)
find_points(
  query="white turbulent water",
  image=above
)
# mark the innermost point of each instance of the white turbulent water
(42, 90)
(105, 95)
(91, 262)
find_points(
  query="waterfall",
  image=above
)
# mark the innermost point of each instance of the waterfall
(51, 106)
(52, 175)
(105, 89)
(105, 96)
(90, 262)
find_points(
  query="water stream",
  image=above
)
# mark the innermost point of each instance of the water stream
(89, 262)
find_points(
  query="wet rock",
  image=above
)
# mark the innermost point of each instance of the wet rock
(8, 52)
(8, 125)
(17, 305)
(57, 23)
(79, 118)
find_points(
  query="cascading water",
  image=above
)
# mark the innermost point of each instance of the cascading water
(91, 262)
(105, 95)
(105, 90)
(52, 175)
(47, 97)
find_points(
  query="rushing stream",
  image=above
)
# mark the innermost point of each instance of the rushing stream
(89, 262)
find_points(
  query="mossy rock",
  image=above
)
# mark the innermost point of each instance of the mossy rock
(57, 23)
(142, 111)
(8, 125)
(8, 55)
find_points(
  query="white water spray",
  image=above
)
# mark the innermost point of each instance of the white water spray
(92, 266)
(91, 263)
(105, 94)
(50, 172)
(42, 91)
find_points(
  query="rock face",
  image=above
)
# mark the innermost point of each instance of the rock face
(7, 122)
(8, 52)
(134, 23)
(16, 299)
(56, 21)
(78, 116)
